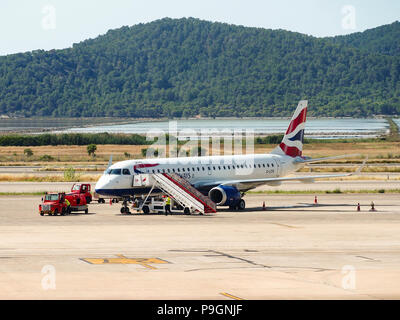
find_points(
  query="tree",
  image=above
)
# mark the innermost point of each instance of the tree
(91, 150)
(28, 152)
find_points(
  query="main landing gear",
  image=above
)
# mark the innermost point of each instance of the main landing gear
(241, 205)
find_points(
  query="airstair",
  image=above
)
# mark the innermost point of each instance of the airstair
(179, 189)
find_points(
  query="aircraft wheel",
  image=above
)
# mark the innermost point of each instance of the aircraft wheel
(86, 211)
(123, 210)
(242, 204)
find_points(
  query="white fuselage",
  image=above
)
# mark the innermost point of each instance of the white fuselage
(202, 172)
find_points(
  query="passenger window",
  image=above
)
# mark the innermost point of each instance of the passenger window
(204, 169)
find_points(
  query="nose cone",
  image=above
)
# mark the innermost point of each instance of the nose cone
(102, 187)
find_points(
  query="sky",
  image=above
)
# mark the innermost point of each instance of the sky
(27, 25)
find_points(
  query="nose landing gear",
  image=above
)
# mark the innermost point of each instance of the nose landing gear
(125, 208)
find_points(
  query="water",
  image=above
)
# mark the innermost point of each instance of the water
(316, 128)
(397, 121)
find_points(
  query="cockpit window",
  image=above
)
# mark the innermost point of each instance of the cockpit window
(126, 172)
(114, 172)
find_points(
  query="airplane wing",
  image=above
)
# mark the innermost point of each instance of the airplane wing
(247, 184)
(310, 160)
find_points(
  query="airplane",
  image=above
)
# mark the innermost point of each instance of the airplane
(225, 179)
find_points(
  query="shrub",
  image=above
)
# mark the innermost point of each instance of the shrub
(46, 157)
(147, 151)
(69, 174)
(28, 152)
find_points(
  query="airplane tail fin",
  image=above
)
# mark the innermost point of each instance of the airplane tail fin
(292, 143)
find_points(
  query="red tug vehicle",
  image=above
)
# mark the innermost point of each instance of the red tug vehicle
(55, 203)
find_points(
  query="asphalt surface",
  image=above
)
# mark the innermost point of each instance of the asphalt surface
(293, 250)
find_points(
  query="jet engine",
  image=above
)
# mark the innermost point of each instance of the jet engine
(225, 196)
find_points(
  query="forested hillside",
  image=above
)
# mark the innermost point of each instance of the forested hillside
(383, 40)
(189, 67)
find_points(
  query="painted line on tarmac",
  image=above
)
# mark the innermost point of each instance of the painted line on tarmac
(285, 225)
(231, 296)
(144, 262)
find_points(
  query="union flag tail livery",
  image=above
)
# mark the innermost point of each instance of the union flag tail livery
(292, 143)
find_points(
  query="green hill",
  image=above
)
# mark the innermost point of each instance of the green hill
(382, 40)
(188, 67)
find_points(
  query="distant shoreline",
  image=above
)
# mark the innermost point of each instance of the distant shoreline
(37, 125)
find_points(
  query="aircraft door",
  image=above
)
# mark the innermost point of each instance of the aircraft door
(277, 168)
(137, 180)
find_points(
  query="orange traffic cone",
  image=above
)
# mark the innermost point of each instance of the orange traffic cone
(358, 207)
(110, 202)
(316, 200)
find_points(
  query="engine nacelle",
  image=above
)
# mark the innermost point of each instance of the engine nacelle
(225, 195)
